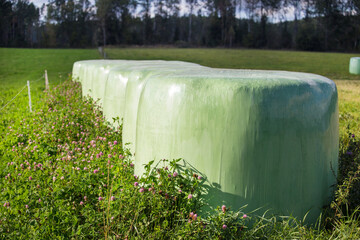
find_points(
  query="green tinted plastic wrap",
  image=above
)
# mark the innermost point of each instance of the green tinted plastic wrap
(97, 73)
(266, 139)
(76, 71)
(115, 86)
(136, 82)
(79, 69)
(354, 67)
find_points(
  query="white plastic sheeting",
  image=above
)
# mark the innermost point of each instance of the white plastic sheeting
(262, 138)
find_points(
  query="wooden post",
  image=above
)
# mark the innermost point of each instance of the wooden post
(46, 81)
(28, 84)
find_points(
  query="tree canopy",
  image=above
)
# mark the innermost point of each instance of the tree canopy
(322, 25)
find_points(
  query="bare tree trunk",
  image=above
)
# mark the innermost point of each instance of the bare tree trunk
(190, 24)
(103, 26)
(295, 30)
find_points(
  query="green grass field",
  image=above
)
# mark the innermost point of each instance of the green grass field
(19, 65)
(332, 65)
(51, 129)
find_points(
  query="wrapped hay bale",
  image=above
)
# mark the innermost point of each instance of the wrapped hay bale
(354, 67)
(266, 139)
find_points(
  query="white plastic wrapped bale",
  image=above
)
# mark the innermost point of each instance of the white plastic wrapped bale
(266, 139)
(115, 87)
(79, 69)
(76, 71)
(354, 66)
(137, 80)
(100, 76)
(98, 72)
(95, 78)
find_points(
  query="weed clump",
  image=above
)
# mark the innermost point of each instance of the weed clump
(64, 173)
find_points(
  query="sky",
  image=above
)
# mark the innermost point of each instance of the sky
(38, 3)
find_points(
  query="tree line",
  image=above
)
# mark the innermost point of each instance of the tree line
(321, 25)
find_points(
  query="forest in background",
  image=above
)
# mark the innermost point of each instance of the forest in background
(313, 25)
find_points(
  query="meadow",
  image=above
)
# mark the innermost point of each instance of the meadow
(64, 175)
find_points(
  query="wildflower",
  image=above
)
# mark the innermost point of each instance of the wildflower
(224, 226)
(85, 198)
(349, 153)
(30, 178)
(131, 165)
(81, 203)
(26, 206)
(194, 217)
(199, 177)
(141, 190)
(109, 156)
(115, 142)
(39, 200)
(223, 208)
(96, 171)
(54, 179)
(100, 199)
(180, 191)
(136, 184)
(353, 135)
(190, 196)
(112, 218)
(245, 216)
(121, 156)
(62, 178)
(191, 214)
(112, 198)
(175, 174)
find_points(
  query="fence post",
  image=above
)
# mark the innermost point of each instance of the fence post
(46, 81)
(28, 84)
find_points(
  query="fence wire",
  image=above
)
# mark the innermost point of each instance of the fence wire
(33, 81)
(13, 98)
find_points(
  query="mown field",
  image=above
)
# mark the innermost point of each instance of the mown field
(64, 175)
(332, 65)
